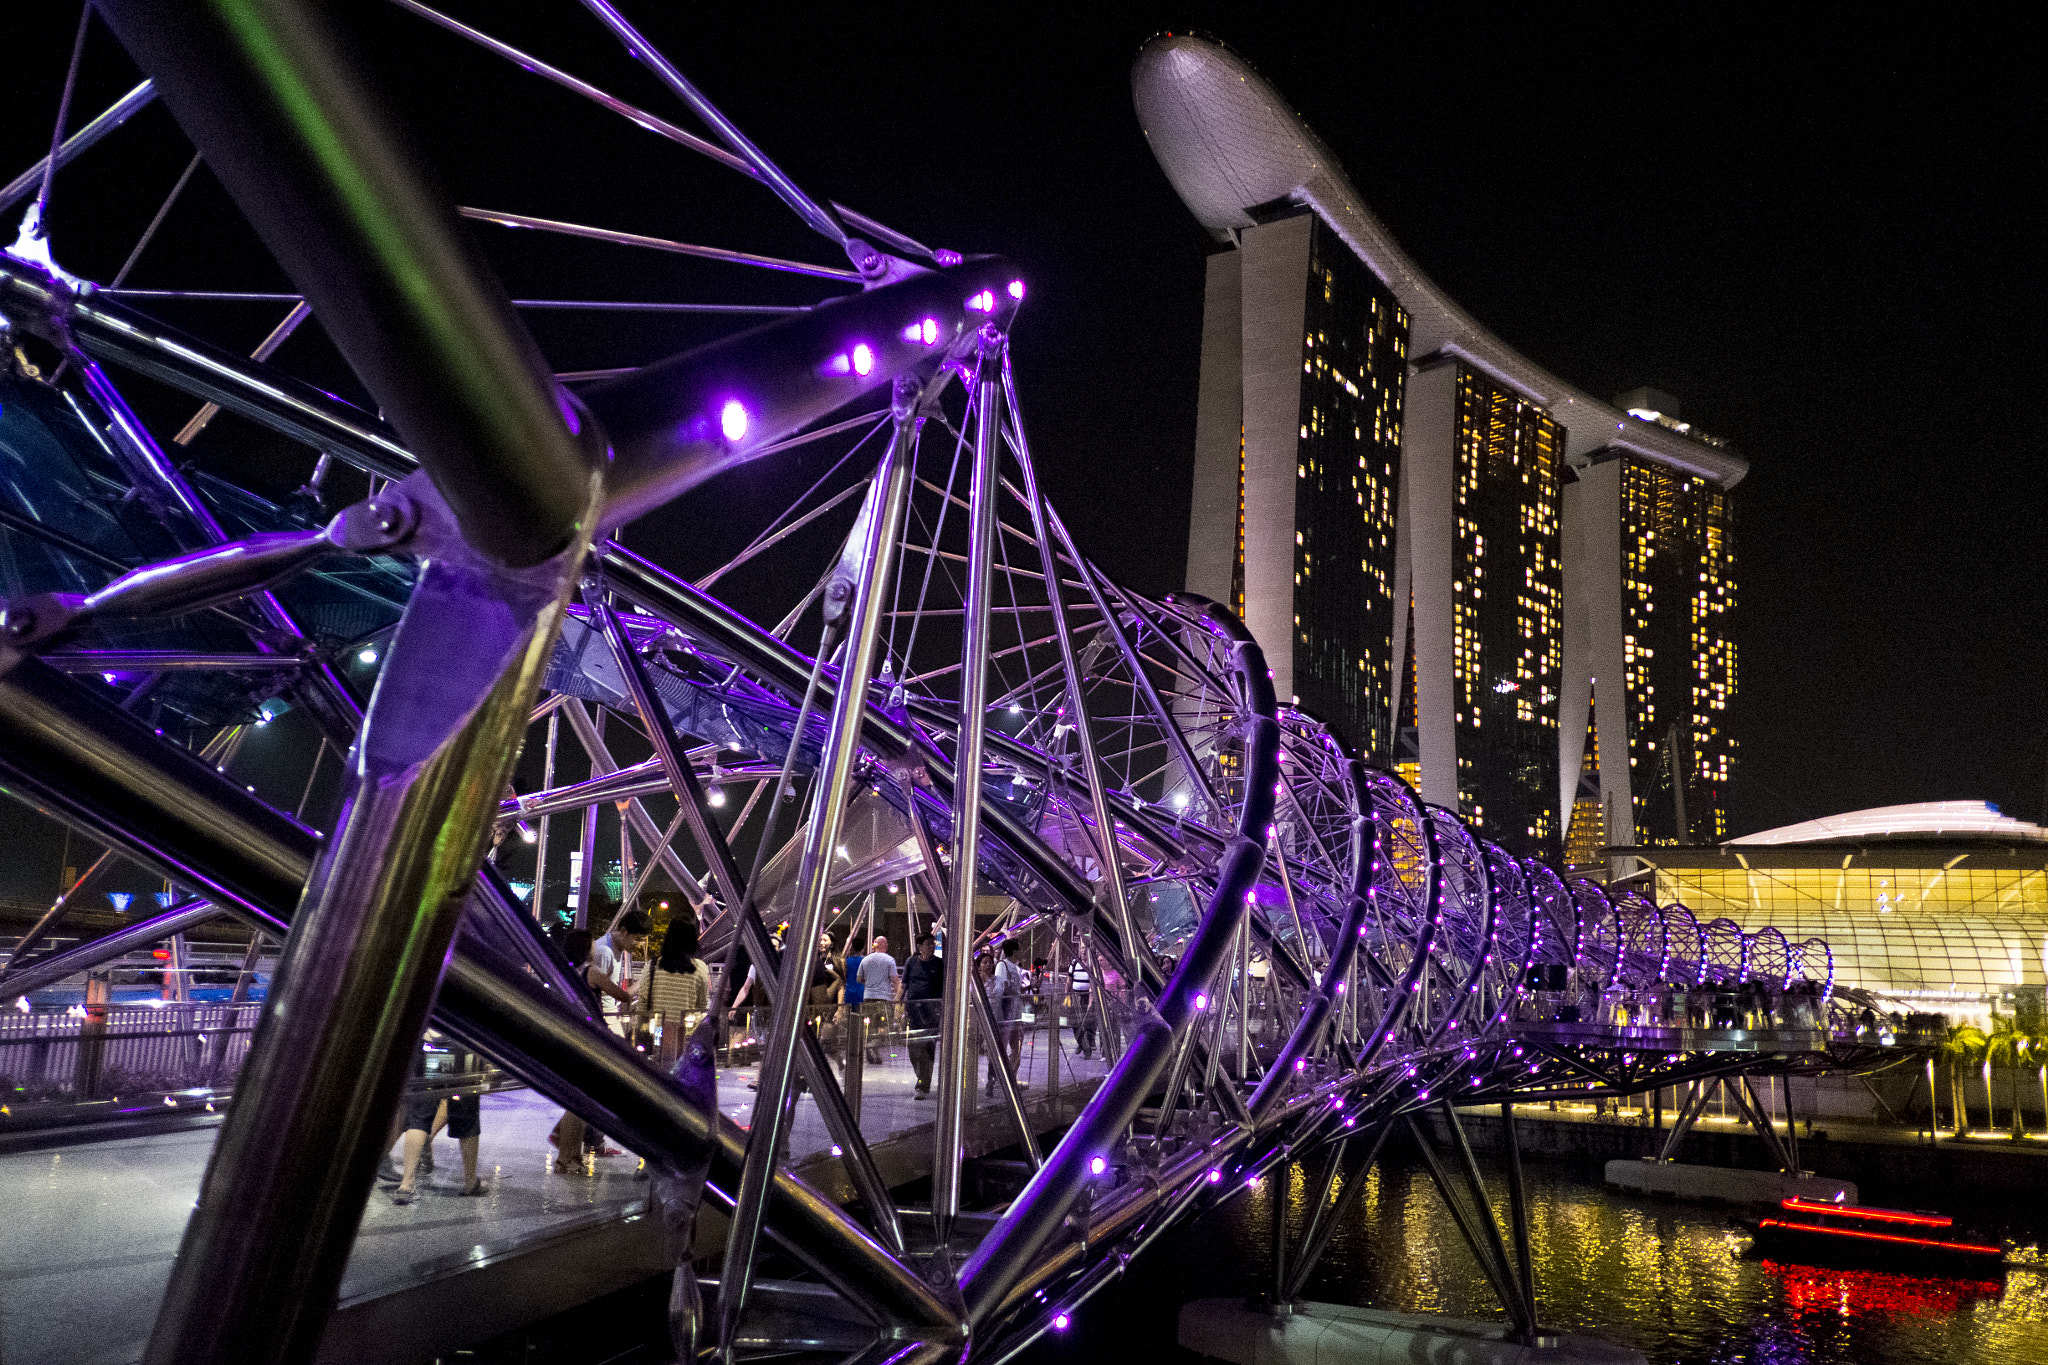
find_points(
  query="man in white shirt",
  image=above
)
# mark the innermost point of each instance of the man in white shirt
(1006, 1003)
(878, 993)
(611, 957)
(1079, 983)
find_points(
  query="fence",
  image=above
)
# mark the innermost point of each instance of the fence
(161, 1045)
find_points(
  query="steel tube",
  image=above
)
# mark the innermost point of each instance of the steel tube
(1077, 706)
(112, 117)
(1518, 1210)
(540, 853)
(53, 916)
(63, 747)
(166, 661)
(1509, 1297)
(119, 335)
(680, 421)
(51, 968)
(1036, 1215)
(303, 148)
(619, 784)
(955, 1058)
(590, 92)
(767, 171)
(310, 157)
(1482, 1206)
(833, 1105)
(710, 253)
(1327, 1220)
(360, 966)
(868, 594)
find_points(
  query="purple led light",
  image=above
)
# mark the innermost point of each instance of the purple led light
(1061, 1322)
(1017, 290)
(1201, 1002)
(732, 419)
(1215, 1177)
(863, 358)
(984, 302)
(1097, 1165)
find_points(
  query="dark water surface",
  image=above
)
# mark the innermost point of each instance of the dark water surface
(1666, 1279)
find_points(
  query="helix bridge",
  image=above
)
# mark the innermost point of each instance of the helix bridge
(1294, 957)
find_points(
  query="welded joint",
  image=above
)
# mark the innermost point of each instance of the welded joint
(212, 576)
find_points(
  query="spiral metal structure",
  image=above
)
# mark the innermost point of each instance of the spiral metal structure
(1293, 951)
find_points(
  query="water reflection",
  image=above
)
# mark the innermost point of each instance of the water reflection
(1669, 1280)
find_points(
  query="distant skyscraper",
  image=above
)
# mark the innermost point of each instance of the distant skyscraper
(1557, 564)
(1669, 569)
(1482, 564)
(1298, 465)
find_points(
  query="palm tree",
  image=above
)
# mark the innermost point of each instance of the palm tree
(2007, 1047)
(1963, 1047)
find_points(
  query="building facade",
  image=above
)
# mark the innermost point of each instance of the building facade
(1542, 541)
(1652, 608)
(1940, 908)
(1298, 466)
(1481, 563)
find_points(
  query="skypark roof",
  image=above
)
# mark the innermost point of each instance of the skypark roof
(1920, 820)
(1230, 144)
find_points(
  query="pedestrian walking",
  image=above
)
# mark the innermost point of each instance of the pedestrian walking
(1079, 984)
(427, 1114)
(1006, 1005)
(878, 992)
(924, 985)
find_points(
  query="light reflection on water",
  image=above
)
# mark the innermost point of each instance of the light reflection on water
(1665, 1279)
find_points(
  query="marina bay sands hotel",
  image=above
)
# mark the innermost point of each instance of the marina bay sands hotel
(1516, 594)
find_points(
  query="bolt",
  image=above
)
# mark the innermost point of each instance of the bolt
(20, 623)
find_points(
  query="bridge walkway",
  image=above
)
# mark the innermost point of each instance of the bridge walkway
(92, 1227)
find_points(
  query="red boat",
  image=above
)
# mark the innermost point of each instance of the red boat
(1813, 1232)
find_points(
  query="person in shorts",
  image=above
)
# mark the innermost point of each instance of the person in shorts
(426, 1115)
(878, 993)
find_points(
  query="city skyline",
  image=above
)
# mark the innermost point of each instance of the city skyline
(1535, 531)
(1753, 230)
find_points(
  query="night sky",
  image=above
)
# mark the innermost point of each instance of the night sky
(1816, 238)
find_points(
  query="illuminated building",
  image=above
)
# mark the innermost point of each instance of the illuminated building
(1523, 504)
(1939, 908)
(1481, 564)
(1298, 462)
(1650, 591)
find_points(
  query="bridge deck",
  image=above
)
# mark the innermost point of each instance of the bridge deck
(91, 1229)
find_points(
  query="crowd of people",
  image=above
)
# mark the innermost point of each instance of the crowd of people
(858, 994)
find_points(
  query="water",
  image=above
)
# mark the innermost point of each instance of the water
(1665, 1279)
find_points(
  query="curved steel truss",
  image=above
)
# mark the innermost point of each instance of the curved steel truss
(1291, 951)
